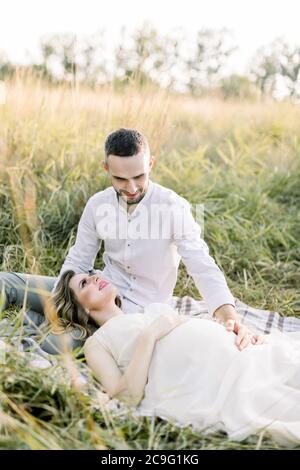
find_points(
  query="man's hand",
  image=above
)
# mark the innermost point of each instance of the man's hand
(228, 315)
(244, 336)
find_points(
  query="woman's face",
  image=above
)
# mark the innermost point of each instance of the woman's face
(92, 292)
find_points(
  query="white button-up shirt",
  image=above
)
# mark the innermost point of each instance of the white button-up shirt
(143, 248)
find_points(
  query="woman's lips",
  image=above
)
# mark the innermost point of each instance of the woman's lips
(103, 284)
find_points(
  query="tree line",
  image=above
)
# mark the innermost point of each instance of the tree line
(168, 60)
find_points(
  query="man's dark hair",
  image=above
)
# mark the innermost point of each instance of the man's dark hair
(125, 143)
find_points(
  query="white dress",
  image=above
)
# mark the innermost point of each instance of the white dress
(198, 377)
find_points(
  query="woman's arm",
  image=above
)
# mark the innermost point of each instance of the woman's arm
(130, 386)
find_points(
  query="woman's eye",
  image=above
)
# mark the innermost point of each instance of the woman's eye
(83, 283)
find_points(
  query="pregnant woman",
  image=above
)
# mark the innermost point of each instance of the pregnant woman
(185, 369)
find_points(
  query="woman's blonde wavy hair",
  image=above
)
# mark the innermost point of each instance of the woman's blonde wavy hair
(68, 313)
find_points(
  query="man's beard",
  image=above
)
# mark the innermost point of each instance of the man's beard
(133, 201)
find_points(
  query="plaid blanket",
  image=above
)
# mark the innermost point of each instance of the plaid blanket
(260, 321)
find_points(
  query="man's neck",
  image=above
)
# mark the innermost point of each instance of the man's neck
(130, 208)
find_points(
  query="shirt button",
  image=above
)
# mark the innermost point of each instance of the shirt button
(128, 244)
(128, 267)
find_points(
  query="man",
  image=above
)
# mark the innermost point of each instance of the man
(146, 230)
(144, 267)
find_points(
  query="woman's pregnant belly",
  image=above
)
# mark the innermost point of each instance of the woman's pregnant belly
(192, 358)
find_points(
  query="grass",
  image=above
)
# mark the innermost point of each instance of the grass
(241, 160)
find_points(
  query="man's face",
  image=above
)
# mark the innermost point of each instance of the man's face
(130, 175)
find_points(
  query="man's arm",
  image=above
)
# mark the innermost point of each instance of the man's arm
(82, 254)
(208, 277)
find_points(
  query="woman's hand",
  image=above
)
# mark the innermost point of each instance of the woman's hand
(162, 325)
(244, 336)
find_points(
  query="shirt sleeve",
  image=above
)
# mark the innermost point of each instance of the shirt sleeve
(81, 256)
(207, 276)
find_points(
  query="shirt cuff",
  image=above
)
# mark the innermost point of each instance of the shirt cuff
(216, 301)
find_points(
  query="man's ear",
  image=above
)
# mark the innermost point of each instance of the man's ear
(105, 165)
(152, 161)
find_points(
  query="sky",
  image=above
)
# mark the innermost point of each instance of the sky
(254, 23)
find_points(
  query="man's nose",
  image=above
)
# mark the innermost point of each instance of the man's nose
(131, 188)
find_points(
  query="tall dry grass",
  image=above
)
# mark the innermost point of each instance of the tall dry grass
(240, 159)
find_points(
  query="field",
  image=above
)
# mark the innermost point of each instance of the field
(240, 159)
